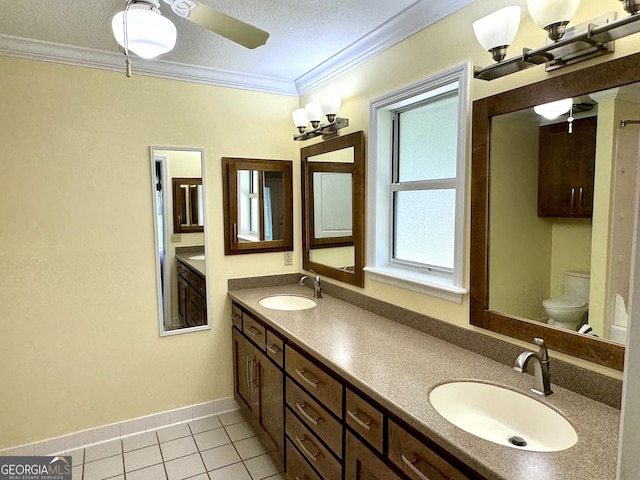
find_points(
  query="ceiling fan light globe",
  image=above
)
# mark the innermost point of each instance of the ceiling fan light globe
(149, 34)
(553, 110)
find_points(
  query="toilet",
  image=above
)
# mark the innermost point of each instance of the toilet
(568, 310)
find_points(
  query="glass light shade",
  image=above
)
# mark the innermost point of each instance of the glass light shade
(331, 103)
(314, 111)
(499, 28)
(549, 12)
(554, 109)
(300, 118)
(149, 34)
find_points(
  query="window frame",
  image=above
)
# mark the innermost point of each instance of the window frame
(381, 266)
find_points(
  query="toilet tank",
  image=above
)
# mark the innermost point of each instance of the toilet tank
(576, 285)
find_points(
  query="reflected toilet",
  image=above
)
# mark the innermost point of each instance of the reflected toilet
(568, 310)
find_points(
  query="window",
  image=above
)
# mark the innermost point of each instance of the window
(417, 158)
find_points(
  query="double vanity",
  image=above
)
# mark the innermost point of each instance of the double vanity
(345, 393)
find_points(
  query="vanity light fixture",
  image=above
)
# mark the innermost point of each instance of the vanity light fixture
(328, 106)
(496, 31)
(142, 29)
(566, 46)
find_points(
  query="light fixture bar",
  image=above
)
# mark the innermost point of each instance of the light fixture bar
(327, 130)
(570, 49)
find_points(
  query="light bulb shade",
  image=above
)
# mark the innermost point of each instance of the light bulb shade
(300, 118)
(498, 29)
(553, 110)
(550, 12)
(314, 111)
(149, 34)
(331, 103)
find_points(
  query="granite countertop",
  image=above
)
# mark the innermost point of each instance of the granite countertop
(398, 367)
(199, 266)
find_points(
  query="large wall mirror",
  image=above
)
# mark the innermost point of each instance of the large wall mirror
(258, 205)
(179, 213)
(333, 208)
(553, 208)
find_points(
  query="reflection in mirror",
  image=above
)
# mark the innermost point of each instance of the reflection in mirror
(553, 207)
(257, 205)
(180, 238)
(333, 208)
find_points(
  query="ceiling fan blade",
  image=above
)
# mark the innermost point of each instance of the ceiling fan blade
(229, 27)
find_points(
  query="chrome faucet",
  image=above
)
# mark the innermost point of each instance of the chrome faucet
(315, 280)
(541, 376)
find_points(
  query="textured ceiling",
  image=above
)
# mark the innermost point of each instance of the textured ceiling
(304, 34)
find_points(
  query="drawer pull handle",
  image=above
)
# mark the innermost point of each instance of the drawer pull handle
(366, 423)
(314, 456)
(413, 468)
(253, 331)
(312, 383)
(274, 349)
(313, 420)
(298, 478)
(249, 373)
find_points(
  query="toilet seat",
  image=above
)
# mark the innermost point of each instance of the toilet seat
(564, 304)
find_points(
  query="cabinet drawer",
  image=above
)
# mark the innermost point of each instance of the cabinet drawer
(315, 380)
(183, 270)
(236, 316)
(316, 418)
(365, 419)
(275, 348)
(311, 449)
(198, 301)
(297, 467)
(254, 330)
(418, 461)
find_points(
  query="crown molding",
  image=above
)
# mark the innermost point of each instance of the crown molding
(86, 57)
(408, 22)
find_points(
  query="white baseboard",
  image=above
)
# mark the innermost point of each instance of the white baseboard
(93, 436)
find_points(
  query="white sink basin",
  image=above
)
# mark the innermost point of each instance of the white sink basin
(498, 415)
(287, 302)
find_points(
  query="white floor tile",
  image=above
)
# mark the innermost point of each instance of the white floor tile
(237, 471)
(261, 467)
(235, 416)
(240, 431)
(204, 424)
(171, 433)
(155, 472)
(104, 468)
(103, 450)
(178, 448)
(277, 476)
(211, 439)
(141, 440)
(142, 458)
(184, 467)
(250, 447)
(220, 457)
(76, 471)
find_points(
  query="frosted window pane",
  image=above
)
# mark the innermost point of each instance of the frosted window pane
(428, 141)
(424, 227)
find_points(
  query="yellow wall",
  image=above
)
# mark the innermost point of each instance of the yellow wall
(79, 335)
(79, 340)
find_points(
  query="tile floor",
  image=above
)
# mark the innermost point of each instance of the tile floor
(222, 447)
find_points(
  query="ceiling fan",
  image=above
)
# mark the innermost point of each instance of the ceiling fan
(141, 28)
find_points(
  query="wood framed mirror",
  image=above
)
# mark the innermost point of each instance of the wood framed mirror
(258, 205)
(333, 208)
(487, 113)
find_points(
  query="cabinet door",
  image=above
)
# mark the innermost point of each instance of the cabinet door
(271, 400)
(244, 371)
(362, 464)
(183, 299)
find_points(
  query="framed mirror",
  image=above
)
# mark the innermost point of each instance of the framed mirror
(333, 208)
(258, 205)
(180, 238)
(541, 235)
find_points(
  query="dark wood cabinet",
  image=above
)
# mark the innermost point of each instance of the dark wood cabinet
(362, 464)
(192, 293)
(566, 168)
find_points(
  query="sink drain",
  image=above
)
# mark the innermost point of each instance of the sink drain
(518, 441)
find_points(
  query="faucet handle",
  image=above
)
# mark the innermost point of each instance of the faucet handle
(317, 278)
(544, 355)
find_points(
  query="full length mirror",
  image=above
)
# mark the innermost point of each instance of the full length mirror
(553, 206)
(179, 212)
(333, 208)
(258, 205)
